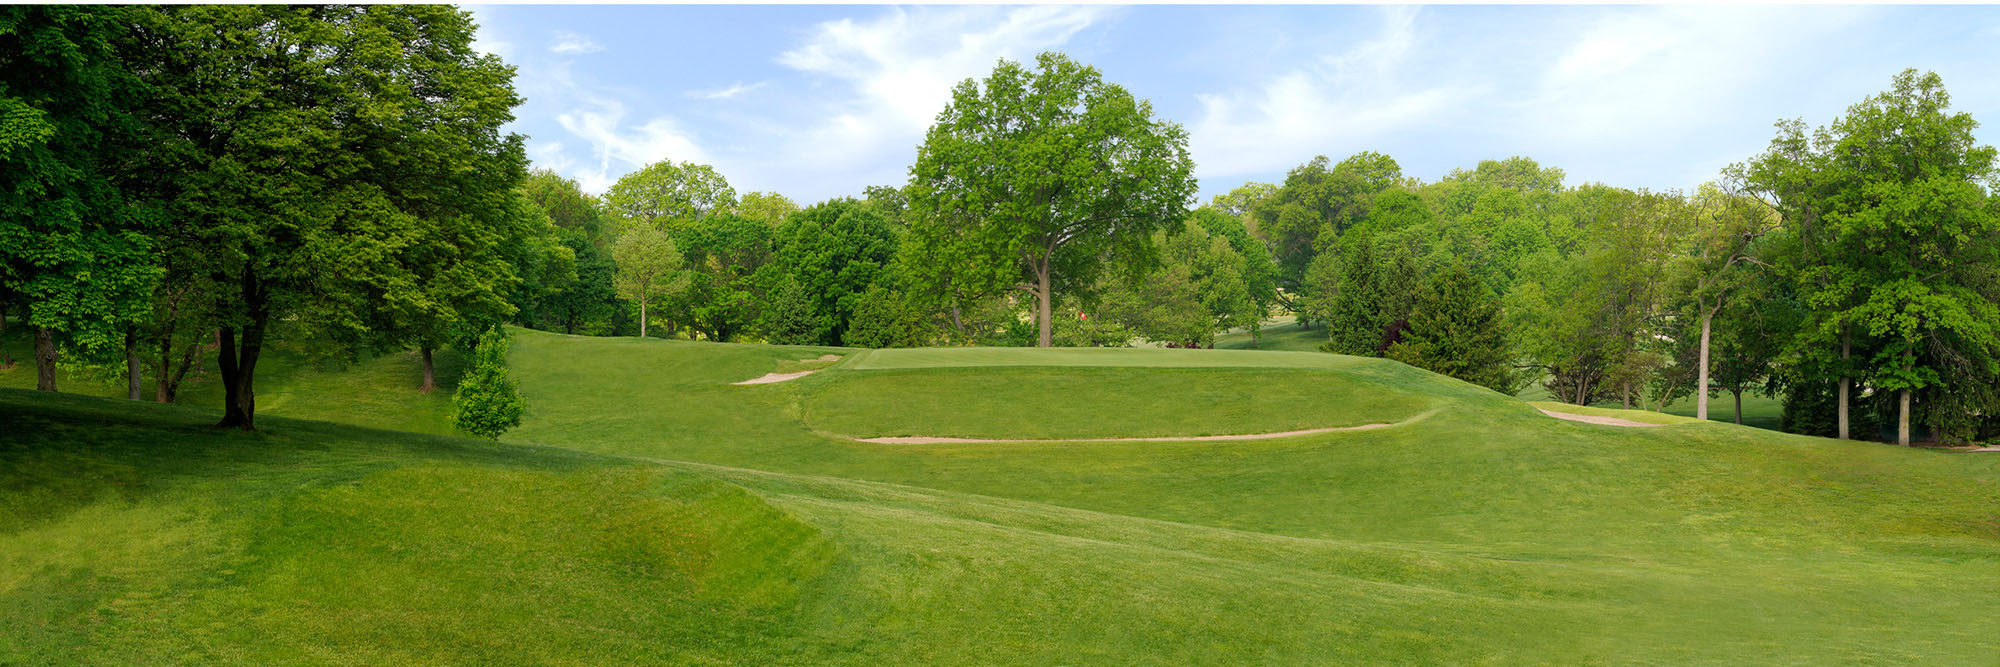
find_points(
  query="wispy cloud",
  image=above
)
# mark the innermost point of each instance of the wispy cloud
(728, 92)
(894, 73)
(1332, 104)
(570, 43)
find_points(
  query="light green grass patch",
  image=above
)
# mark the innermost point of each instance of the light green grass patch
(1098, 402)
(970, 357)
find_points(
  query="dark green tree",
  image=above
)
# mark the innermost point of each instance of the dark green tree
(1455, 329)
(834, 251)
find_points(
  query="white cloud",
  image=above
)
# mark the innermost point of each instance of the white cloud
(616, 149)
(1643, 76)
(570, 43)
(1332, 106)
(895, 73)
(728, 92)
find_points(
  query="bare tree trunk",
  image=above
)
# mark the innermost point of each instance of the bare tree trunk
(430, 372)
(133, 379)
(1739, 406)
(1844, 349)
(1701, 382)
(642, 318)
(45, 359)
(1044, 310)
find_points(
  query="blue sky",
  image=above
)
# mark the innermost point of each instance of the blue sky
(821, 101)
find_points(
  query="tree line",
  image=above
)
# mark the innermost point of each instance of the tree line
(192, 181)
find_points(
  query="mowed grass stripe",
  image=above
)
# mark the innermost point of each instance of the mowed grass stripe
(969, 357)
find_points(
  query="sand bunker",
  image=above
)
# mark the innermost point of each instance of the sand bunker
(781, 377)
(1607, 421)
(777, 377)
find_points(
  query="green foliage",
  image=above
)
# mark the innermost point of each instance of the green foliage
(649, 268)
(668, 195)
(769, 208)
(726, 255)
(1198, 290)
(1041, 179)
(75, 235)
(791, 317)
(885, 318)
(487, 403)
(834, 251)
(1455, 329)
(566, 204)
(1371, 301)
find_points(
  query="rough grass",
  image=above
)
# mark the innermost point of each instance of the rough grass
(1487, 533)
(1071, 357)
(1281, 334)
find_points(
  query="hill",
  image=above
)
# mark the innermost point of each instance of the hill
(1472, 528)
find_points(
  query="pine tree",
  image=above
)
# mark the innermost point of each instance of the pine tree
(486, 403)
(1454, 329)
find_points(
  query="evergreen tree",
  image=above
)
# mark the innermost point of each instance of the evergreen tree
(1455, 329)
(487, 404)
(792, 317)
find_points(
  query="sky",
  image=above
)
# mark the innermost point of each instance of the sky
(821, 101)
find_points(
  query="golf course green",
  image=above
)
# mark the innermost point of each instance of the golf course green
(651, 510)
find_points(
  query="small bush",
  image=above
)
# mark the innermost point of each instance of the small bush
(486, 403)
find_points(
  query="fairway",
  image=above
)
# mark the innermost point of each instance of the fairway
(973, 357)
(705, 522)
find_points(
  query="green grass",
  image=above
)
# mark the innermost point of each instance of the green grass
(1485, 532)
(1280, 334)
(380, 391)
(1758, 410)
(1070, 357)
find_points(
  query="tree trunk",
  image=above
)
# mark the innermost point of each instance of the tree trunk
(161, 393)
(1844, 348)
(1701, 374)
(1903, 419)
(239, 362)
(133, 379)
(1044, 310)
(45, 359)
(1739, 406)
(642, 318)
(430, 371)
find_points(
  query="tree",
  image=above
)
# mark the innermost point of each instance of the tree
(885, 318)
(725, 255)
(309, 146)
(1198, 290)
(1892, 212)
(1037, 180)
(649, 268)
(566, 204)
(1456, 329)
(486, 403)
(769, 208)
(1726, 228)
(1371, 301)
(668, 194)
(72, 244)
(834, 251)
(792, 318)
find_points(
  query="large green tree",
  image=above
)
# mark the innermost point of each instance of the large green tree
(311, 147)
(1038, 179)
(669, 194)
(833, 251)
(73, 244)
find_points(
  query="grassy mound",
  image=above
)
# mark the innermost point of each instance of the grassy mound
(137, 534)
(710, 522)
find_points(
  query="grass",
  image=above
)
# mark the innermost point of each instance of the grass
(1486, 532)
(1280, 334)
(379, 390)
